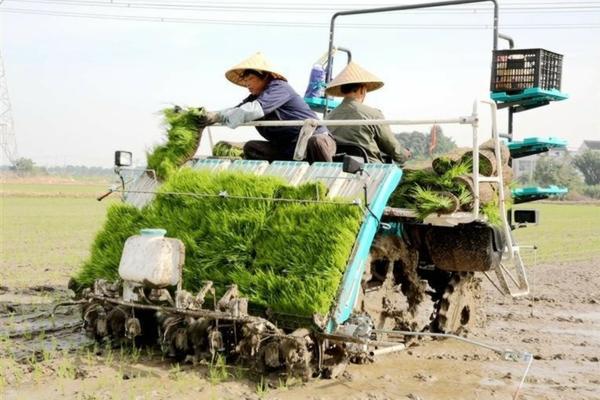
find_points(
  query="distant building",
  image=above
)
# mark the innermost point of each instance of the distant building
(593, 145)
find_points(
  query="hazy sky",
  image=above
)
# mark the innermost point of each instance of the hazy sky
(83, 87)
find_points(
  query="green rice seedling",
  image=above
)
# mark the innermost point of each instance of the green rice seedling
(66, 369)
(262, 387)
(47, 355)
(445, 181)
(491, 209)
(401, 197)
(426, 176)
(465, 197)
(287, 255)
(228, 149)
(284, 383)
(442, 164)
(492, 213)
(239, 372)
(458, 169)
(218, 232)
(217, 370)
(89, 357)
(486, 161)
(183, 137)
(424, 183)
(175, 372)
(121, 353)
(134, 353)
(109, 356)
(426, 192)
(301, 256)
(307, 191)
(428, 202)
(37, 371)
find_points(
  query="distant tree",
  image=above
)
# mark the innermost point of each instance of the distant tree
(24, 165)
(524, 180)
(418, 143)
(588, 163)
(414, 141)
(550, 171)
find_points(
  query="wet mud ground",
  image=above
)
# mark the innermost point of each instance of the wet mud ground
(559, 324)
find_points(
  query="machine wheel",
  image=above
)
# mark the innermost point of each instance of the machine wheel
(393, 294)
(458, 308)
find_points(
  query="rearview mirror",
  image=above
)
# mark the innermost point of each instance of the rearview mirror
(123, 158)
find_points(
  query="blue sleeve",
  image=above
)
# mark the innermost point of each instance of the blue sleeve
(274, 96)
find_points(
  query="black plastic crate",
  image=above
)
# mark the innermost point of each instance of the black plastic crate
(518, 69)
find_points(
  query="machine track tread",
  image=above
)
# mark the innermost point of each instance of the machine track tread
(457, 309)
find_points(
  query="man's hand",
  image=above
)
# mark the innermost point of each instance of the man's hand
(210, 118)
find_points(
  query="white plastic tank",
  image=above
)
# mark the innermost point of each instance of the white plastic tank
(150, 258)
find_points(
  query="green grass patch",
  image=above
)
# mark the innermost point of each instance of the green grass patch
(287, 255)
(567, 232)
(16, 189)
(43, 240)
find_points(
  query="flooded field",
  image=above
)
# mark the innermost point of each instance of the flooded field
(557, 324)
(44, 354)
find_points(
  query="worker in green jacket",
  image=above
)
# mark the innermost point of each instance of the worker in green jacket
(352, 84)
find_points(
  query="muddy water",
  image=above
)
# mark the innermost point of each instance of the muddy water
(29, 329)
(558, 324)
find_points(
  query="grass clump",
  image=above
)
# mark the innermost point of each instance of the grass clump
(289, 256)
(427, 201)
(443, 189)
(183, 137)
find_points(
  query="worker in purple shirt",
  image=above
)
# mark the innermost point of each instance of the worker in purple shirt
(271, 99)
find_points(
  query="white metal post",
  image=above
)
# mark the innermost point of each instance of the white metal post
(475, 126)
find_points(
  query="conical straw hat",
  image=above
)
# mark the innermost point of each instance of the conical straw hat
(256, 62)
(353, 73)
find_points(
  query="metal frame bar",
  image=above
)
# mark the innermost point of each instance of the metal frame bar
(402, 8)
(201, 313)
(511, 111)
(511, 253)
(347, 51)
(364, 122)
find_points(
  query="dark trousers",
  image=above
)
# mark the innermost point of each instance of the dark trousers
(320, 147)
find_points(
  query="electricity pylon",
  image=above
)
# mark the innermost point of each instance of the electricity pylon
(7, 129)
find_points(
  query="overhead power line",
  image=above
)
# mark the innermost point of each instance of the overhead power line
(295, 24)
(510, 8)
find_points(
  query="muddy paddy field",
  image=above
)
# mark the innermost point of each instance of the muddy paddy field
(46, 231)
